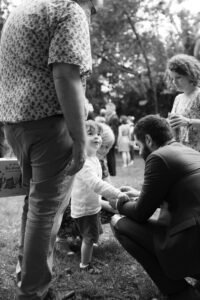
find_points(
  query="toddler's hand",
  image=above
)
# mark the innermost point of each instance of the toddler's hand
(122, 198)
(125, 188)
(130, 191)
(113, 203)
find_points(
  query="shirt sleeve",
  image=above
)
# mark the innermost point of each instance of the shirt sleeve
(70, 42)
(153, 193)
(96, 184)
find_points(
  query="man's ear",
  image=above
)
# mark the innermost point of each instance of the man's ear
(148, 140)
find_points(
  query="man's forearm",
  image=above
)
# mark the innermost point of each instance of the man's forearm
(71, 97)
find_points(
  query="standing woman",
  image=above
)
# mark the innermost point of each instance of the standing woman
(184, 72)
(124, 137)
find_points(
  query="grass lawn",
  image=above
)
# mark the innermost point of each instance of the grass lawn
(122, 277)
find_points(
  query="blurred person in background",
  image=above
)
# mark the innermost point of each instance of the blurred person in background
(101, 117)
(132, 142)
(123, 140)
(113, 121)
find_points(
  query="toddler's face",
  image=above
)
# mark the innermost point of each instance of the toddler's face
(94, 140)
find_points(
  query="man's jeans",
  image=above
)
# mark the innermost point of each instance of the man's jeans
(43, 149)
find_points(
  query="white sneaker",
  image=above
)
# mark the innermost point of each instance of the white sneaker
(131, 163)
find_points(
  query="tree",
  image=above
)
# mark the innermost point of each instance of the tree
(4, 11)
(131, 42)
(126, 53)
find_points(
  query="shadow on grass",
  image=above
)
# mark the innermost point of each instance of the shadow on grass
(121, 277)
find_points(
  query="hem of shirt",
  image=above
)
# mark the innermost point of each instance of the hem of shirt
(22, 120)
(75, 216)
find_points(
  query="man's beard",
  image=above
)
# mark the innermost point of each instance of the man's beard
(145, 153)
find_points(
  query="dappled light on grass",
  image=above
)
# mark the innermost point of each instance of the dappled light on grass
(121, 277)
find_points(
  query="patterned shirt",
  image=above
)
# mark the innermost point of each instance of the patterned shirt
(189, 108)
(37, 34)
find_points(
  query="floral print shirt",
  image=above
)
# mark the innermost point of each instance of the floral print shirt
(189, 108)
(37, 34)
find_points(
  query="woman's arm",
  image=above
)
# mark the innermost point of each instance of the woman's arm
(176, 120)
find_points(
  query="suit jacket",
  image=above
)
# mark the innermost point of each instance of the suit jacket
(172, 182)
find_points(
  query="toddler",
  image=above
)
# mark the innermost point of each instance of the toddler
(86, 193)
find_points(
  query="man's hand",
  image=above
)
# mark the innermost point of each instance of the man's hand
(78, 159)
(130, 191)
(123, 198)
(71, 97)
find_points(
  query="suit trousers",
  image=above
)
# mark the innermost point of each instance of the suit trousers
(138, 240)
(43, 149)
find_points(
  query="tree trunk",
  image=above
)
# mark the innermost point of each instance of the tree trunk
(150, 77)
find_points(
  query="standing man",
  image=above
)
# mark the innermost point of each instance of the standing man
(45, 58)
(113, 121)
(168, 248)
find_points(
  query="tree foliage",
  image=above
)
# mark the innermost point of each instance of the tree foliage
(4, 11)
(131, 42)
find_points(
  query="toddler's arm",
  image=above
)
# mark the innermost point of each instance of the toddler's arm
(98, 185)
(106, 205)
(130, 191)
(122, 197)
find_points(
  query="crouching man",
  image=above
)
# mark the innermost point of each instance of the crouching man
(167, 247)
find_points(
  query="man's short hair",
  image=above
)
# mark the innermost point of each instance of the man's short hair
(157, 127)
